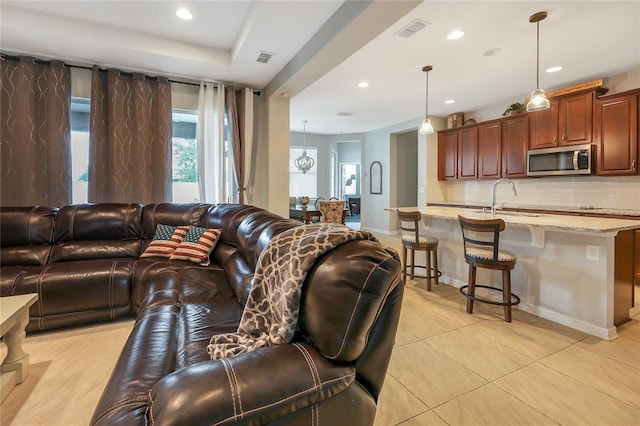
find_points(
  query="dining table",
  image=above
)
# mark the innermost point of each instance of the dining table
(307, 214)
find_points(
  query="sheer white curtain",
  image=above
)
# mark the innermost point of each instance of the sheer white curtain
(210, 137)
(248, 142)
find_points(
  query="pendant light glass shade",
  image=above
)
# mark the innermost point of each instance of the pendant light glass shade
(304, 163)
(538, 101)
(426, 128)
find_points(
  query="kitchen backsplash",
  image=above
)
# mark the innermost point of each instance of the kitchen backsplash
(598, 192)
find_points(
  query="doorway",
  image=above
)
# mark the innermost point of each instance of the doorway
(406, 187)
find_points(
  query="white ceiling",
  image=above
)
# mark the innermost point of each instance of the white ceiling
(590, 39)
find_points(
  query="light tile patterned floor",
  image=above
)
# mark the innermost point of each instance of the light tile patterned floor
(448, 368)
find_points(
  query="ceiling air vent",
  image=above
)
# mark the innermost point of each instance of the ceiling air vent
(415, 26)
(264, 57)
(345, 114)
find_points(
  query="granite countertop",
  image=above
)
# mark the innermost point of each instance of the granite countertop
(538, 220)
(582, 210)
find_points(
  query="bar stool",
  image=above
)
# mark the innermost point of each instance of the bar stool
(412, 241)
(481, 239)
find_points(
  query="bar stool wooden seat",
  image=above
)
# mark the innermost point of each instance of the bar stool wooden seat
(413, 241)
(481, 239)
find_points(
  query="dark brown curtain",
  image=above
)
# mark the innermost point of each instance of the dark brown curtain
(234, 105)
(35, 153)
(130, 138)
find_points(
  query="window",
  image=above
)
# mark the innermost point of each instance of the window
(80, 149)
(303, 183)
(350, 178)
(185, 167)
(185, 153)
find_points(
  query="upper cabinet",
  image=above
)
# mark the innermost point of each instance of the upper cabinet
(569, 121)
(498, 148)
(616, 134)
(490, 150)
(543, 127)
(448, 154)
(468, 153)
(515, 141)
(575, 119)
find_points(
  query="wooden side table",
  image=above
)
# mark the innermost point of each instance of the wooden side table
(14, 316)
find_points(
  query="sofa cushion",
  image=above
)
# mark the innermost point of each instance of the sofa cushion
(26, 234)
(197, 245)
(165, 241)
(355, 280)
(173, 214)
(71, 293)
(97, 231)
(103, 221)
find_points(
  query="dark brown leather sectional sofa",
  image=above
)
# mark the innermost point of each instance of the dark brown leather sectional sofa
(83, 261)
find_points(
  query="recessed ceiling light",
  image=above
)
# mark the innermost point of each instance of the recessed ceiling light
(554, 69)
(455, 34)
(184, 14)
(363, 84)
(450, 101)
(492, 52)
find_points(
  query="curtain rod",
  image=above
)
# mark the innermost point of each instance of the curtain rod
(43, 61)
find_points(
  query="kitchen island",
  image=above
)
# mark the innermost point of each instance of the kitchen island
(574, 270)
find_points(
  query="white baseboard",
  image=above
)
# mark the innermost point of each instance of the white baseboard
(378, 231)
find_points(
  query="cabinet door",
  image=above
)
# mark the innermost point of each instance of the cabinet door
(575, 118)
(543, 132)
(616, 130)
(515, 143)
(468, 153)
(489, 150)
(636, 262)
(448, 154)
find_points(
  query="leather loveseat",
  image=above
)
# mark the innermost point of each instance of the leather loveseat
(83, 261)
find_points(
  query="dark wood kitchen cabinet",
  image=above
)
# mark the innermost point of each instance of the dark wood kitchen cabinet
(502, 148)
(569, 121)
(543, 127)
(448, 154)
(575, 119)
(490, 150)
(515, 142)
(468, 153)
(616, 134)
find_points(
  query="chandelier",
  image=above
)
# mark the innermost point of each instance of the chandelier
(304, 163)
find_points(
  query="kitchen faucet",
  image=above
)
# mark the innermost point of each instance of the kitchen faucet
(493, 193)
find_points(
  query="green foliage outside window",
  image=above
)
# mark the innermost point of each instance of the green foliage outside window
(185, 167)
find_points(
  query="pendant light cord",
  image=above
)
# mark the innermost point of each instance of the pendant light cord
(538, 55)
(426, 99)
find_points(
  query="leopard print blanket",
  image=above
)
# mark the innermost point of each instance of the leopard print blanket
(270, 316)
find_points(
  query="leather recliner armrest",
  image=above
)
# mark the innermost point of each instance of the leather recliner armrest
(256, 387)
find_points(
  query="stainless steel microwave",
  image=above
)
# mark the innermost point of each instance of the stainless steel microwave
(559, 161)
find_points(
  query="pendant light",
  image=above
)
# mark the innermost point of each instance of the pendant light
(538, 100)
(426, 128)
(304, 163)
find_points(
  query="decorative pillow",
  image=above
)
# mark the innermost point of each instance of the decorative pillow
(197, 245)
(165, 241)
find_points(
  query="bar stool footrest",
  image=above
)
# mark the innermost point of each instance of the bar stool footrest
(515, 300)
(439, 273)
